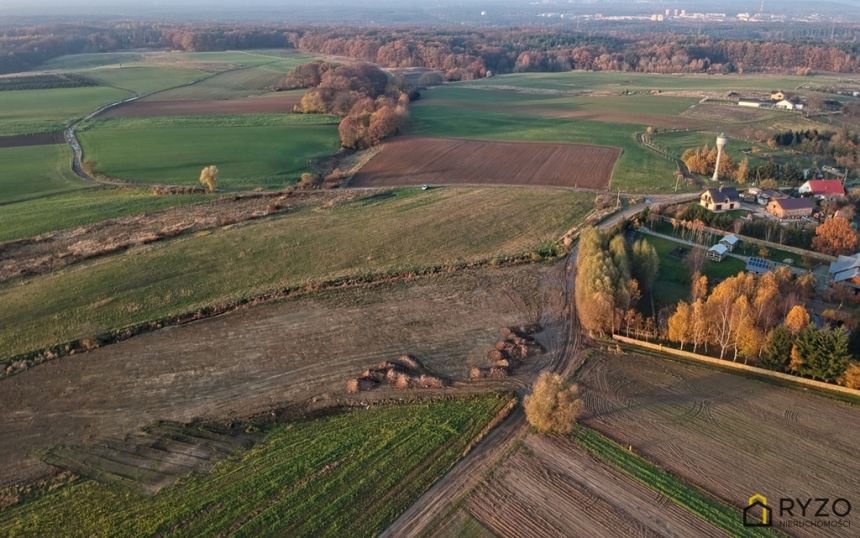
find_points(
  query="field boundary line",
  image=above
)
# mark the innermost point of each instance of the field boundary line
(821, 385)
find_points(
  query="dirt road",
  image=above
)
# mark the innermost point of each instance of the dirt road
(467, 474)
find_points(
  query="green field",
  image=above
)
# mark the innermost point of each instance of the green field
(673, 278)
(467, 96)
(42, 111)
(144, 79)
(62, 211)
(587, 80)
(347, 474)
(250, 80)
(637, 170)
(250, 151)
(32, 171)
(406, 230)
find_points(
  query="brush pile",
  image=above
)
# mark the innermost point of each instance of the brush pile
(405, 372)
(515, 345)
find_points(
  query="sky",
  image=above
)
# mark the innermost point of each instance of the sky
(362, 11)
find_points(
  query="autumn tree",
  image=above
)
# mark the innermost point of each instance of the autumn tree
(851, 377)
(553, 406)
(835, 236)
(698, 285)
(743, 171)
(680, 325)
(797, 319)
(209, 177)
(645, 264)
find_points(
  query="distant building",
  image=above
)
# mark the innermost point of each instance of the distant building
(730, 242)
(750, 103)
(721, 199)
(846, 270)
(717, 252)
(791, 208)
(777, 95)
(823, 188)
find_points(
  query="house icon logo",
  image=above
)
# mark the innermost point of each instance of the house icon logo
(757, 513)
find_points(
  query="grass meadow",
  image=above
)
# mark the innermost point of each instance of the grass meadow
(401, 231)
(611, 81)
(62, 211)
(44, 111)
(349, 473)
(32, 171)
(250, 151)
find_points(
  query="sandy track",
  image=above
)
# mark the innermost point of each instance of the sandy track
(552, 487)
(730, 435)
(257, 359)
(416, 160)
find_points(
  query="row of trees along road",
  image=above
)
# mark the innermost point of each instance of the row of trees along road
(611, 277)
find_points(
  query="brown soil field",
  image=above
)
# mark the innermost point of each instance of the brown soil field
(31, 140)
(276, 103)
(257, 359)
(417, 160)
(55, 250)
(730, 435)
(552, 487)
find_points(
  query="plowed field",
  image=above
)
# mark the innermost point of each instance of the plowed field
(418, 160)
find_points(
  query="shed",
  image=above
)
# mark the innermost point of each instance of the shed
(730, 242)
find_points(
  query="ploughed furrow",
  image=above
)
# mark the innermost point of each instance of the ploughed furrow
(153, 458)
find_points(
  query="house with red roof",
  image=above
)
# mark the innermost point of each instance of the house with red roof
(823, 188)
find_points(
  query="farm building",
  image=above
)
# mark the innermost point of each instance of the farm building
(717, 252)
(823, 188)
(787, 104)
(730, 242)
(759, 265)
(846, 269)
(722, 199)
(790, 208)
(751, 103)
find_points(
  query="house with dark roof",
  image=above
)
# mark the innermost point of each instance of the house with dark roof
(791, 208)
(823, 188)
(846, 270)
(721, 199)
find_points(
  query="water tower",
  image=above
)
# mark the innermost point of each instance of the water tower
(721, 143)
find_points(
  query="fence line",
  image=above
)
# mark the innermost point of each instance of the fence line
(737, 366)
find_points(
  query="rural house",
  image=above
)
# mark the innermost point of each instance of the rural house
(717, 252)
(722, 199)
(791, 208)
(730, 242)
(788, 104)
(846, 270)
(823, 188)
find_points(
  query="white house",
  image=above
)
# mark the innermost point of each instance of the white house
(717, 252)
(730, 242)
(785, 104)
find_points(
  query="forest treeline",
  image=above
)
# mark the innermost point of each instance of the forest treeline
(459, 53)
